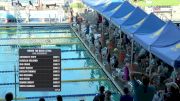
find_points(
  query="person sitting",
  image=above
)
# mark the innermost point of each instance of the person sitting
(59, 98)
(9, 96)
(127, 96)
(144, 91)
(101, 95)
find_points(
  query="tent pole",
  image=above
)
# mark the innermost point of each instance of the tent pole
(109, 30)
(102, 30)
(132, 48)
(150, 58)
(15, 83)
(120, 40)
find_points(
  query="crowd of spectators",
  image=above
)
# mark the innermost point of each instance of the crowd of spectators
(149, 77)
(146, 77)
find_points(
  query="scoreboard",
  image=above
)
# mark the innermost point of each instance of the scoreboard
(39, 69)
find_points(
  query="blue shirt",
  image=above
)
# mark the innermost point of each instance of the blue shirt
(126, 98)
(99, 97)
(139, 94)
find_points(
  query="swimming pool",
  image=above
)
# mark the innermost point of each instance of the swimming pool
(81, 74)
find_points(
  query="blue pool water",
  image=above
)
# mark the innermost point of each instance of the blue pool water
(77, 65)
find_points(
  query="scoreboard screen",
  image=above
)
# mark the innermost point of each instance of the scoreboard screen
(39, 69)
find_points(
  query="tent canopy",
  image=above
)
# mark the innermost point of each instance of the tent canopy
(170, 54)
(122, 12)
(147, 25)
(111, 6)
(151, 24)
(125, 8)
(165, 36)
(170, 35)
(167, 46)
(137, 15)
(147, 39)
(134, 21)
(94, 2)
(106, 6)
(109, 13)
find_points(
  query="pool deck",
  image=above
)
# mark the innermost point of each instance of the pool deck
(118, 84)
(33, 24)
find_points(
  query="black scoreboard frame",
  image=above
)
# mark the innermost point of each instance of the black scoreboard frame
(34, 57)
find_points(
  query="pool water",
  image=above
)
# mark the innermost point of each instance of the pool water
(81, 75)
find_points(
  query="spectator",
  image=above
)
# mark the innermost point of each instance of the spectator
(79, 21)
(99, 20)
(30, 3)
(114, 61)
(19, 4)
(127, 96)
(174, 75)
(92, 39)
(107, 95)
(87, 28)
(59, 98)
(159, 96)
(126, 71)
(106, 23)
(101, 95)
(172, 92)
(9, 96)
(71, 15)
(142, 92)
(77, 16)
(160, 68)
(104, 55)
(41, 99)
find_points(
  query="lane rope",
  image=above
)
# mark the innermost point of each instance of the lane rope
(66, 69)
(66, 81)
(40, 44)
(57, 48)
(38, 38)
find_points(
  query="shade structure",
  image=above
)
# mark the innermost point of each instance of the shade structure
(106, 6)
(167, 46)
(169, 54)
(122, 12)
(92, 3)
(108, 13)
(137, 17)
(147, 25)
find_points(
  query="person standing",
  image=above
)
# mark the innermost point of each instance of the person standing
(59, 98)
(71, 15)
(41, 99)
(108, 95)
(9, 96)
(144, 91)
(101, 95)
(127, 96)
